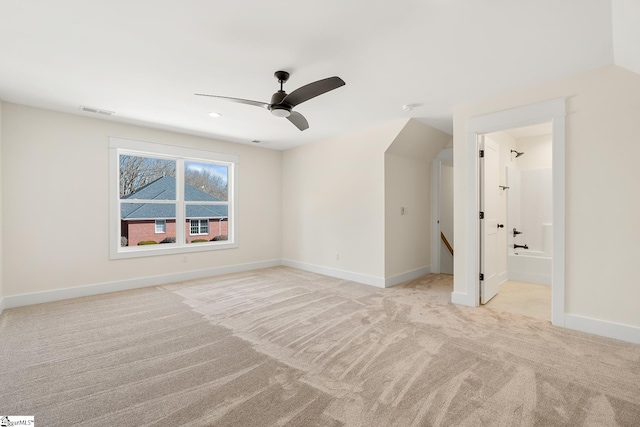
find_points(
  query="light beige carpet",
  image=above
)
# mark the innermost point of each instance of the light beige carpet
(285, 347)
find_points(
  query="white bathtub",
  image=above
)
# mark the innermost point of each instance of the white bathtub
(529, 266)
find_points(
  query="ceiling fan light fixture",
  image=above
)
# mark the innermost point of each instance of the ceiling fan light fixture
(280, 111)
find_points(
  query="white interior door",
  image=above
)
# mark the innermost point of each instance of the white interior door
(489, 176)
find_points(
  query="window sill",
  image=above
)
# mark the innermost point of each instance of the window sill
(168, 249)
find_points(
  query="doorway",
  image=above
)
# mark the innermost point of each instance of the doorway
(551, 111)
(519, 184)
(442, 232)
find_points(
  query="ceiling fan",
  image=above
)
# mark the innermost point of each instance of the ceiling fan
(282, 103)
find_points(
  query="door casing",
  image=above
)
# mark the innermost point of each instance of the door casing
(553, 111)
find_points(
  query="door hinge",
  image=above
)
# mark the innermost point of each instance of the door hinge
(481, 153)
(481, 215)
(481, 276)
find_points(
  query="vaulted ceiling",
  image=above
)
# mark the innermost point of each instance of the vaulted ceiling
(145, 59)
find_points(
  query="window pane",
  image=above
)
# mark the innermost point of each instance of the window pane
(195, 227)
(206, 222)
(219, 229)
(205, 182)
(161, 226)
(147, 178)
(139, 222)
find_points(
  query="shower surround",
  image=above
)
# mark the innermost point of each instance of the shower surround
(529, 211)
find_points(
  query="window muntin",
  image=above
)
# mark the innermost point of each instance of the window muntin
(174, 186)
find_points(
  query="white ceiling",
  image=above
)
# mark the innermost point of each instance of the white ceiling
(144, 59)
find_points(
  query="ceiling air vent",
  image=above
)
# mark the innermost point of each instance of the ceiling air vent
(96, 111)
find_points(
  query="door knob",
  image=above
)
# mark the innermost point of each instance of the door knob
(500, 225)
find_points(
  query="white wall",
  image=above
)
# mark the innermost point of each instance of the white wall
(537, 152)
(602, 201)
(407, 237)
(338, 194)
(55, 170)
(1, 204)
(626, 33)
(333, 203)
(407, 174)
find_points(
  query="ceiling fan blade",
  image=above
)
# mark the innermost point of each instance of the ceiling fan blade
(238, 100)
(312, 90)
(298, 120)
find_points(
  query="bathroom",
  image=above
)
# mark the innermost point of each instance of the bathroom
(525, 205)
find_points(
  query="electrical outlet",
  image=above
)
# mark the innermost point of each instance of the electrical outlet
(184, 258)
(337, 256)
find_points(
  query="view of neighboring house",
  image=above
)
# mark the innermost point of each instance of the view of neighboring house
(156, 222)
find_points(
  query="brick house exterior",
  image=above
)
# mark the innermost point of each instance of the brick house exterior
(140, 230)
(138, 220)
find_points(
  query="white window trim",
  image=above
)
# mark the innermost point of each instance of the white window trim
(129, 146)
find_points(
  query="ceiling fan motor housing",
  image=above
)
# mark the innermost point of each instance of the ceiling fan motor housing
(278, 109)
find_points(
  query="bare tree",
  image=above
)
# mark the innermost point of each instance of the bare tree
(136, 172)
(208, 182)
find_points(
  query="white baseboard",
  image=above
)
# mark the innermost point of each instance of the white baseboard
(409, 275)
(334, 272)
(571, 321)
(103, 288)
(461, 299)
(603, 328)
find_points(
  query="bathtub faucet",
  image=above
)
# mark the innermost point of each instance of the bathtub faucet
(516, 232)
(520, 246)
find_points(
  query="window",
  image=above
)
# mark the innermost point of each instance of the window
(161, 226)
(162, 194)
(199, 226)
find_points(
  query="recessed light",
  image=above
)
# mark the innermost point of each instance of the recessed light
(214, 114)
